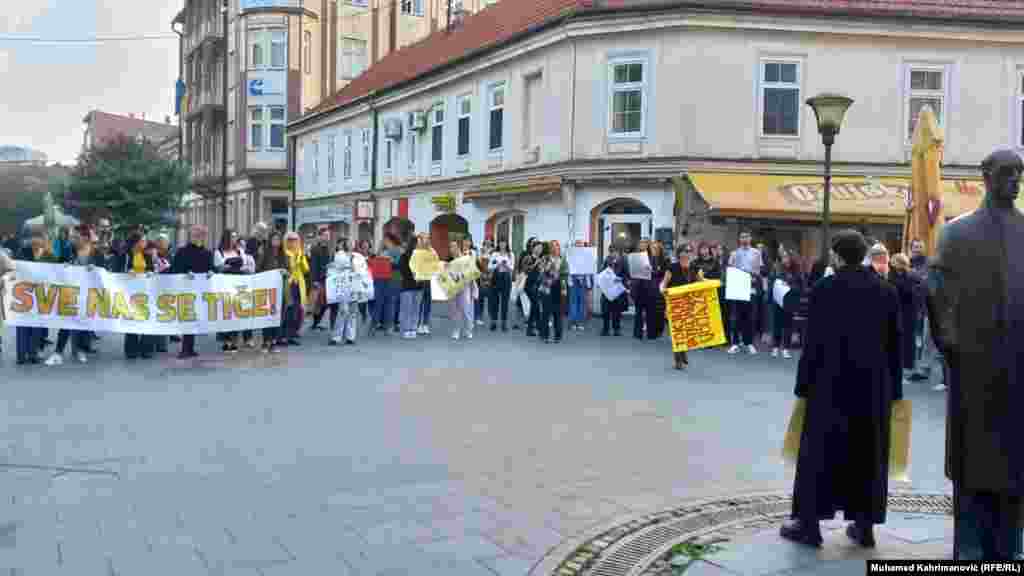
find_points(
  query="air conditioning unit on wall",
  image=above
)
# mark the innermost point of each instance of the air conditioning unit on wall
(393, 129)
(417, 121)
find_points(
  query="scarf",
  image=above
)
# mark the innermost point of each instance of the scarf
(138, 263)
(298, 267)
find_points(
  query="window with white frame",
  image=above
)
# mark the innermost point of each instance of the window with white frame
(412, 7)
(257, 127)
(331, 149)
(413, 149)
(628, 93)
(316, 160)
(353, 57)
(1020, 108)
(780, 98)
(388, 144)
(267, 48)
(531, 108)
(437, 134)
(366, 150)
(362, 3)
(465, 109)
(496, 123)
(926, 86)
(347, 166)
(277, 127)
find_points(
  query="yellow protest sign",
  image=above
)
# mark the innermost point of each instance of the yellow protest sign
(424, 264)
(458, 274)
(694, 316)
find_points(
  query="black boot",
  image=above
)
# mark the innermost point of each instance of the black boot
(802, 533)
(862, 533)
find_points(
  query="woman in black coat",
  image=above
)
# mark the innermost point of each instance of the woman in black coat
(909, 288)
(850, 373)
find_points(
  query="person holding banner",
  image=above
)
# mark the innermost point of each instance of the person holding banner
(553, 271)
(427, 299)
(612, 309)
(272, 258)
(411, 293)
(135, 261)
(81, 342)
(227, 259)
(345, 264)
(785, 288)
(460, 305)
(501, 263)
(681, 273)
(192, 259)
(748, 259)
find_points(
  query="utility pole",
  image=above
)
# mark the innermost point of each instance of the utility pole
(224, 127)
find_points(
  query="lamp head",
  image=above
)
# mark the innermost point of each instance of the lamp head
(829, 110)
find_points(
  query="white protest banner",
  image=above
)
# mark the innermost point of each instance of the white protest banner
(348, 280)
(639, 266)
(74, 297)
(610, 284)
(737, 285)
(779, 292)
(582, 260)
(458, 274)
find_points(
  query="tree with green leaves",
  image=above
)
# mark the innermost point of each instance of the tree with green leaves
(128, 182)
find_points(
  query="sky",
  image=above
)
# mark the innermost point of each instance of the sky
(49, 88)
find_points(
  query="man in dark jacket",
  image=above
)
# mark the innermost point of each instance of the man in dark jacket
(192, 259)
(850, 373)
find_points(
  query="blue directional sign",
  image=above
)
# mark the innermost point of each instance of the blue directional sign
(256, 87)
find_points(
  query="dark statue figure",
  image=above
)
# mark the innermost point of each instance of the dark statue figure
(976, 309)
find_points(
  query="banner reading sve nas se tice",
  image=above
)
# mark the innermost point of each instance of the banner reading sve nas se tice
(76, 298)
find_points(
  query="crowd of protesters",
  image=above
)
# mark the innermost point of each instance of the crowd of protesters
(531, 291)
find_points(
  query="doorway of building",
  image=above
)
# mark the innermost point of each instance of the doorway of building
(447, 228)
(622, 223)
(508, 227)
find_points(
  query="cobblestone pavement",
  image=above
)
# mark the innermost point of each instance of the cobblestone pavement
(421, 457)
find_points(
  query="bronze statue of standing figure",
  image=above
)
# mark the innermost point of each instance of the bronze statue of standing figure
(976, 310)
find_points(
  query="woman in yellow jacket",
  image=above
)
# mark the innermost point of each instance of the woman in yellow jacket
(295, 285)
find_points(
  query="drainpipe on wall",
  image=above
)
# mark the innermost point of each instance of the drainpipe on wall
(373, 159)
(293, 142)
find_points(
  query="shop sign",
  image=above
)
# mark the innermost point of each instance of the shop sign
(323, 214)
(365, 210)
(813, 193)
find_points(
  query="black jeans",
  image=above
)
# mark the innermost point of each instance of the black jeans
(188, 344)
(80, 340)
(643, 298)
(498, 297)
(533, 322)
(136, 345)
(28, 343)
(270, 336)
(551, 311)
(743, 316)
(783, 327)
(613, 313)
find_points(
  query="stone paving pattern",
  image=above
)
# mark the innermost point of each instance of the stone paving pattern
(495, 456)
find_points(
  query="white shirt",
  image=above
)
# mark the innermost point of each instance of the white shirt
(500, 262)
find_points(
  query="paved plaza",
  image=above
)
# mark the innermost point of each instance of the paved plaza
(495, 456)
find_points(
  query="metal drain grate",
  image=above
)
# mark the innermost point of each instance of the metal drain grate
(628, 550)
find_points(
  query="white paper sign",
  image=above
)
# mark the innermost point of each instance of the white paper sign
(639, 266)
(610, 284)
(73, 297)
(779, 292)
(582, 260)
(737, 285)
(437, 293)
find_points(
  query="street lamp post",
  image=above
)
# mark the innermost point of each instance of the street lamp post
(829, 109)
(224, 129)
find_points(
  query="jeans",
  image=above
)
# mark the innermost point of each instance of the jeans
(294, 312)
(80, 340)
(498, 297)
(478, 304)
(460, 311)
(410, 309)
(347, 325)
(743, 316)
(270, 336)
(138, 345)
(644, 300)
(383, 304)
(577, 302)
(188, 344)
(27, 344)
(426, 300)
(782, 327)
(533, 322)
(551, 311)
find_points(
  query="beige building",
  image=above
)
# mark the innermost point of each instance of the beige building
(600, 122)
(285, 57)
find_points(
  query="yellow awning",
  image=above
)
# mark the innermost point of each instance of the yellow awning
(876, 200)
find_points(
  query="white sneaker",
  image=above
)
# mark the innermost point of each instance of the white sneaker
(421, 330)
(455, 335)
(469, 335)
(54, 360)
(336, 340)
(479, 322)
(939, 388)
(409, 336)
(734, 349)
(775, 352)
(786, 354)
(752, 350)
(82, 358)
